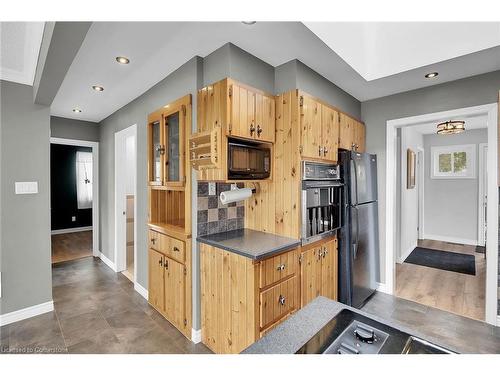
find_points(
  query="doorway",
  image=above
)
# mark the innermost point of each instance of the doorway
(74, 199)
(489, 113)
(126, 202)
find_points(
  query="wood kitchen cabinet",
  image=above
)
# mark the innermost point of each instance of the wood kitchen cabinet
(319, 271)
(168, 279)
(251, 113)
(319, 130)
(352, 134)
(167, 142)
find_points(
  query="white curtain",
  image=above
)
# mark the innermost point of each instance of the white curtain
(84, 179)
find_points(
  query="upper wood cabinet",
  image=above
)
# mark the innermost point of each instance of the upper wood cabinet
(319, 127)
(352, 134)
(318, 271)
(251, 113)
(168, 129)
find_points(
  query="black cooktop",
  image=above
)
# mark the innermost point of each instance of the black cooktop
(353, 333)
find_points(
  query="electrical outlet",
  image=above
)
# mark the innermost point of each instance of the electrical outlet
(211, 188)
(73, 218)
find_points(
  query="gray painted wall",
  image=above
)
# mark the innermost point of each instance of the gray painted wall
(451, 205)
(61, 127)
(185, 80)
(24, 149)
(477, 90)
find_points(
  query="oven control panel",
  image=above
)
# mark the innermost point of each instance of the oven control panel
(318, 171)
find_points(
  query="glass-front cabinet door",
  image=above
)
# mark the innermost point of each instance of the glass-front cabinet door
(174, 146)
(156, 151)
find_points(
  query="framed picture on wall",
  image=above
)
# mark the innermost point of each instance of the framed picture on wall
(410, 169)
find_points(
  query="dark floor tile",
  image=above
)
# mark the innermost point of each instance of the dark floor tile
(41, 328)
(152, 342)
(104, 342)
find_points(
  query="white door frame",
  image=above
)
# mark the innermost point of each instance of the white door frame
(421, 191)
(491, 111)
(120, 255)
(481, 190)
(95, 184)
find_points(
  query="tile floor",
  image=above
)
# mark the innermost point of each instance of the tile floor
(96, 311)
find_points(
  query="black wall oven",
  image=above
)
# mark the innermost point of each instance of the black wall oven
(321, 200)
(248, 160)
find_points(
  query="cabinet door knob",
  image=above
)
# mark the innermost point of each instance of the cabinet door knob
(166, 264)
(160, 262)
(153, 240)
(259, 130)
(176, 248)
(320, 150)
(281, 300)
(325, 151)
(281, 267)
(252, 129)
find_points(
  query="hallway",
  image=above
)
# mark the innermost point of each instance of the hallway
(96, 311)
(71, 246)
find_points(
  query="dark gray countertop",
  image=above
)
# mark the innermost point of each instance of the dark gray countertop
(250, 243)
(293, 333)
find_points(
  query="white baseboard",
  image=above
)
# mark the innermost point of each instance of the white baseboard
(464, 241)
(141, 290)
(71, 230)
(498, 321)
(195, 335)
(28, 312)
(382, 287)
(107, 262)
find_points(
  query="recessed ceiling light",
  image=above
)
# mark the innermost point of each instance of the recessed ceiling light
(431, 75)
(248, 22)
(98, 88)
(122, 60)
(77, 110)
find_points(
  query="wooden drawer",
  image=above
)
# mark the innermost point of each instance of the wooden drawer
(154, 240)
(279, 267)
(169, 246)
(175, 249)
(278, 301)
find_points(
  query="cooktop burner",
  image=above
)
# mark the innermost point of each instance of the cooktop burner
(352, 333)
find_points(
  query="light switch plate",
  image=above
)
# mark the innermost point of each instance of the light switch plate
(26, 187)
(211, 188)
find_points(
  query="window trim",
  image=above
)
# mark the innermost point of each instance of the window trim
(469, 149)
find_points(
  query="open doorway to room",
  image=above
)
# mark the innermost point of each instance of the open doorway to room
(125, 202)
(73, 199)
(444, 256)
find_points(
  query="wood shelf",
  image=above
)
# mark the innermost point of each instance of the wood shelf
(176, 231)
(205, 149)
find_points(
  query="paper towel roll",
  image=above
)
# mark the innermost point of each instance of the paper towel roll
(235, 195)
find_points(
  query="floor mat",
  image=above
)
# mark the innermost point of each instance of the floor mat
(443, 260)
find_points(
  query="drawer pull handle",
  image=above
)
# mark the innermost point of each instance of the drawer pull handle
(153, 241)
(166, 264)
(176, 248)
(281, 300)
(281, 267)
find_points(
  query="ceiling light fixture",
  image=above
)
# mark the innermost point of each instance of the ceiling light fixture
(98, 88)
(77, 110)
(122, 60)
(248, 22)
(431, 75)
(451, 127)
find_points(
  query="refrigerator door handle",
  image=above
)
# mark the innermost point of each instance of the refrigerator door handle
(354, 172)
(355, 244)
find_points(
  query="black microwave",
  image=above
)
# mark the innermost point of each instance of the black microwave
(248, 161)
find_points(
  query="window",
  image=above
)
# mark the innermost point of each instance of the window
(453, 161)
(84, 179)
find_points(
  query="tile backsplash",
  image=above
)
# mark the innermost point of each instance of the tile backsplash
(215, 217)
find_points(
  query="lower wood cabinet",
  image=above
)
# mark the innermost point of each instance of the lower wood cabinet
(168, 280)
(319, 271)
(242, 299)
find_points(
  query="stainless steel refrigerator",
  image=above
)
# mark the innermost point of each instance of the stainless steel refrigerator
(358, 237)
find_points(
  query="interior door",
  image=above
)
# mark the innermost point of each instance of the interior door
(156, 293)
(311, 128)
(175, 293)
(310, 275)
(330, 133)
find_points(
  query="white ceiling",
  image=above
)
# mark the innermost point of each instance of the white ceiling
(19, 47)
(471, 123)
(156, 49)
(380, 49)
